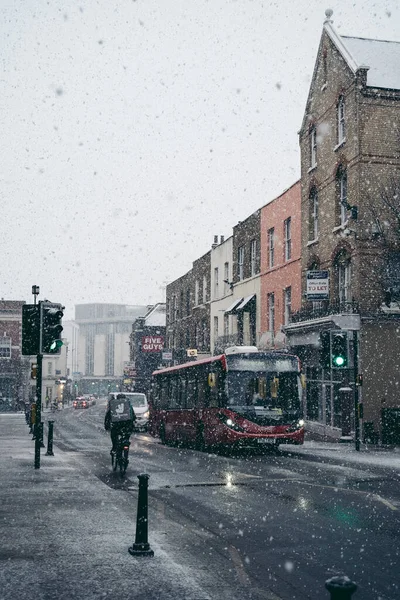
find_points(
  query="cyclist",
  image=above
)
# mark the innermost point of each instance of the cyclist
(119, 418)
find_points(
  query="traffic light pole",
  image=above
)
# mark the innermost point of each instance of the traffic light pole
(39, 360)
(356, 395)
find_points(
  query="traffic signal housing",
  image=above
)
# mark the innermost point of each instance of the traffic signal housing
(325, 349)
(51, 328)
(30, 329)
(339, 350)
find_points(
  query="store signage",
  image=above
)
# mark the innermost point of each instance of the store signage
(317, 285)
(152, 343)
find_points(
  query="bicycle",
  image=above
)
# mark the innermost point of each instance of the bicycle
(119, 458)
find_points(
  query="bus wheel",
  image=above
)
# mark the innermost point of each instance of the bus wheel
(162, 434)
(200, 443)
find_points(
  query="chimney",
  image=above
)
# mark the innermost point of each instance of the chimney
(215, 243)
(222, 239)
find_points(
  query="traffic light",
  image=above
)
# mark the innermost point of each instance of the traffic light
(325, 349)
(51, 328)
(339, 350)
(30, 329)
(33, 371)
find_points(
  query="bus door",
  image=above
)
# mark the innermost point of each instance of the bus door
(188, 420)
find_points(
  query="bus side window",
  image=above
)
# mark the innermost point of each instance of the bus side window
(201, 388)
(191, 395)
(164, 393)
(173, 393)
(182, 391)
(214, 391)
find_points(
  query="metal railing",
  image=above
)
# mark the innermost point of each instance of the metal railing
(314, 310)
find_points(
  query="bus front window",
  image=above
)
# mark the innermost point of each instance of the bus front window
(266, 395)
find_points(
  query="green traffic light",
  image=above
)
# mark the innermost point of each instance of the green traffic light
(339, 361)
(56, 345)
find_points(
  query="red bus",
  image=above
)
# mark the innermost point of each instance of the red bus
(243, 398)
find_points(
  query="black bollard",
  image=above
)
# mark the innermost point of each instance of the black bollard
(50, 440)
(340, 587)
(141, 546)
(41, 435)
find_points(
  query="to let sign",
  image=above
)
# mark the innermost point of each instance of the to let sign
(152, 343)
(317, 285)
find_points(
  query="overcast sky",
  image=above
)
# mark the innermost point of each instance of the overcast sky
(134, 130)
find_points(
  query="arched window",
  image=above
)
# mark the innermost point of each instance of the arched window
(313, 215)
(341, 125)
(343, 279)
(313, 147)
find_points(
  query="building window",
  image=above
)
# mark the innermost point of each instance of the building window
(188, 301)
(216, 283)
(5, 347)
(205, 291)
(215, 328)
(271, 312)
(313, 147)
(341, 121)
(253, 257)
(313, 217)
(271, 247)
(226, 278)
(174, 309)
(49, 368)
(196, 292)
(288, 238)
(343, 270)
(344, 282)
(240, 262)
(287, 301)
(226, 325)
(342, 192)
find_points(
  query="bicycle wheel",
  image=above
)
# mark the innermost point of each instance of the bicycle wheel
(124, 462)
(117, 459)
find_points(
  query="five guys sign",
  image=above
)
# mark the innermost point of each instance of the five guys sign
(152, 343)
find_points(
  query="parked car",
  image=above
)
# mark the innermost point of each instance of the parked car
(81, 402)
(140, 406)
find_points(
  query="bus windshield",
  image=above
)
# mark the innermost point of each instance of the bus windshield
(265, 397)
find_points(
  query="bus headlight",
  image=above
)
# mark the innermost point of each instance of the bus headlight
(230, 423)
(296, 426)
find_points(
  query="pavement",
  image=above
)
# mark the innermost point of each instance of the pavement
(66, 535)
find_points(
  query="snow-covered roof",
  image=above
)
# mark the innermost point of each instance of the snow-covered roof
(157, 316)
(382, 58)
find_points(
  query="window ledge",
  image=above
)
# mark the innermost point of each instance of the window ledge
(339, 145)
(312, 242)
(340, 227)
(312, 168)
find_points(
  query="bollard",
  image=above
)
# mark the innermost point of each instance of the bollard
(340, 587)
(41, 435)
(50, 440)
(141, 546)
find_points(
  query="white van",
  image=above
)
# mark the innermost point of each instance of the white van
(140, 406)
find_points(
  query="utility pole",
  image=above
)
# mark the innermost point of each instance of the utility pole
(38, 437)
(357, 405)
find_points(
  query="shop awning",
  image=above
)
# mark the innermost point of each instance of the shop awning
(245, 302)
(232, 308)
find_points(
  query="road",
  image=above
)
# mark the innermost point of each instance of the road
(277, 524)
